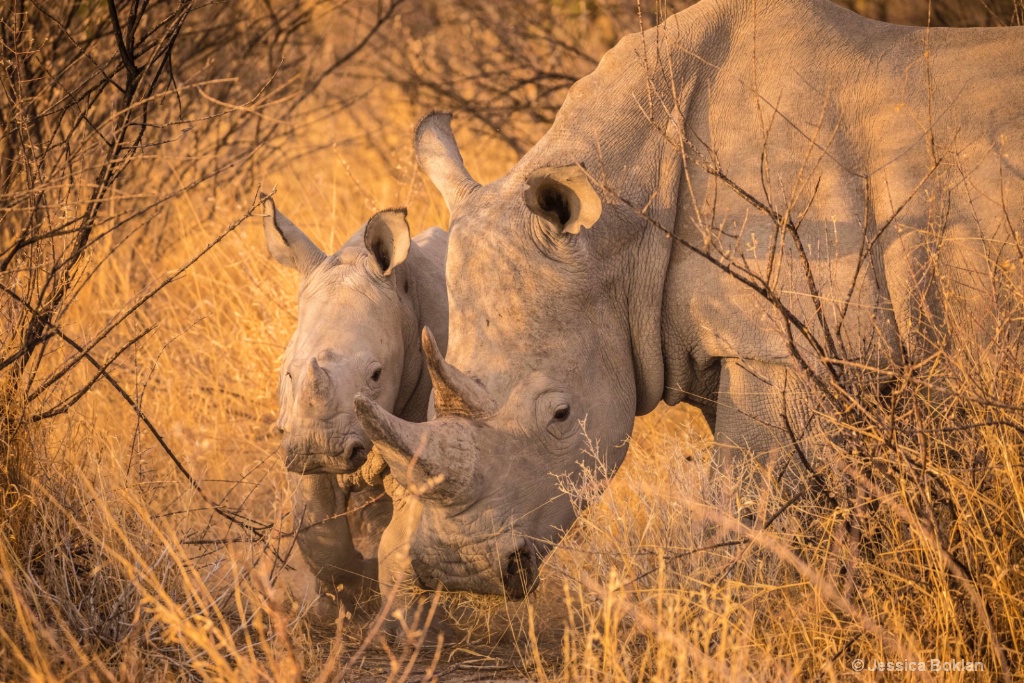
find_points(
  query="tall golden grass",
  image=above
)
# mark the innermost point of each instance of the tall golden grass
(114, 567)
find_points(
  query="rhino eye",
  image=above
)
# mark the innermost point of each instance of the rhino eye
(561, 414)
(376, 375)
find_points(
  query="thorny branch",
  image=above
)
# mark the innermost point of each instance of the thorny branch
(107, 117)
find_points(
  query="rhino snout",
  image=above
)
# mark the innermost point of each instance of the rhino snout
(519, 572)
(356, 450)
(340, 455)
(512, 575)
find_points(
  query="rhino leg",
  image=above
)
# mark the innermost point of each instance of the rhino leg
(408, 614)
(369, 511)
(369, 507)
(764, 413)
(325, 539)
(759, 405)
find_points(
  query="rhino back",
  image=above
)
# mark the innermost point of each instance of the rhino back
(853, 125)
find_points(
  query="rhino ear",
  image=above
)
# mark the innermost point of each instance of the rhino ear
(564, 196)
(438, 155)
(387, 239)
(288, 245)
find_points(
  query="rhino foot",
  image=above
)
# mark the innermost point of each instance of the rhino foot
(415, 624)
(324, 612)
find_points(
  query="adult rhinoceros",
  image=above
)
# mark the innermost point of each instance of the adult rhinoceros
(360, 313)
(752, 182)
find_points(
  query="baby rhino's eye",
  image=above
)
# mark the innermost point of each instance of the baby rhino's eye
(561, 414)
(375, 375)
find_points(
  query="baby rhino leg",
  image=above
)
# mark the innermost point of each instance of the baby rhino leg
(324, 535)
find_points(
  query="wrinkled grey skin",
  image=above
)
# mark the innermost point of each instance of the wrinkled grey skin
(568, 305)
(360, 314)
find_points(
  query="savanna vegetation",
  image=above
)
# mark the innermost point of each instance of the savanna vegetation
(144, 508)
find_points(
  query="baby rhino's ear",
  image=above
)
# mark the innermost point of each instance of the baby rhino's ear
(387, 239)
(288, 245)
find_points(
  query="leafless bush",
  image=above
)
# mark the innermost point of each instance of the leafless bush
(900, 479)
(508, 65)
(894, 522)
(110, 112)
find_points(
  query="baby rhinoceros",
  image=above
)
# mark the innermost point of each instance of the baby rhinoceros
(360, 315)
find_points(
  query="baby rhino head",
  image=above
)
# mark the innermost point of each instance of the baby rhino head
(349, 339)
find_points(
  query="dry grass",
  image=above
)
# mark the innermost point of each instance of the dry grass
(113, 567)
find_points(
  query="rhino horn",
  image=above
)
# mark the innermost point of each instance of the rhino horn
(403, 445)
(455, 393)
(316, 385)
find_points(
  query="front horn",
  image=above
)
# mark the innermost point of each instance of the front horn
(420, 455)
(315, 386)
(455, 393)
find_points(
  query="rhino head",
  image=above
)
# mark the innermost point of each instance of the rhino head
(349, 339)
(541, 374)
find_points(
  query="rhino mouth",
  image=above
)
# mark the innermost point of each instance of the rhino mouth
(514, 578)
(348, 460)
(520, 573)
